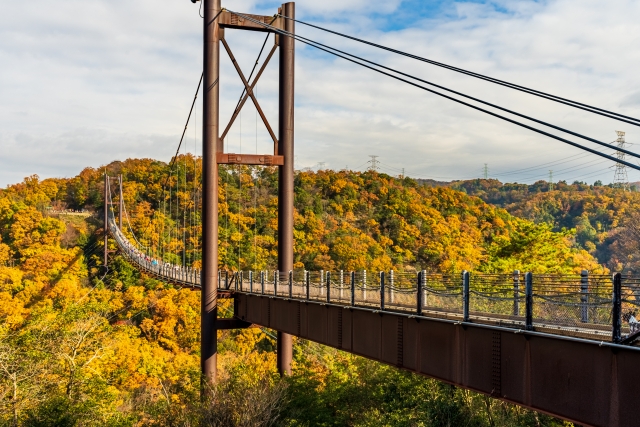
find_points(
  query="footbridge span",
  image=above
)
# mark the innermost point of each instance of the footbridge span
(556, 344)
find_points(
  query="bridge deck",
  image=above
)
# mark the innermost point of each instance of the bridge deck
(585, 381)
(191, 278)
(566, 369)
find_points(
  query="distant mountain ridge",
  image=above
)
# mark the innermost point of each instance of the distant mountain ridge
(601, 215)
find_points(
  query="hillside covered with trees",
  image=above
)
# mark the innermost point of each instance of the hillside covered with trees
(604, 219)
(84, 345)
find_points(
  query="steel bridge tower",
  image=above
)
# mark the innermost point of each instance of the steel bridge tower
(216, 20)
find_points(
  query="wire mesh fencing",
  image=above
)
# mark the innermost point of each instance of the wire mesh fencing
(593, 303)
(630, 304)
(572, 300)
(400, 289)
(366, 288)
(317, 286)
(583, 303)
(497, 295)
(299, 284)
(442, 292)
(339, 287)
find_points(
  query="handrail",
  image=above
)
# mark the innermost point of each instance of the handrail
(566, 304)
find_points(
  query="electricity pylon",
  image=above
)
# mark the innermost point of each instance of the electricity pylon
(620, 176)
(373, 163)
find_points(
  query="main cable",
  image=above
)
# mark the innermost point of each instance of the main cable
(515, 113)
(586, 107)
(540, 131)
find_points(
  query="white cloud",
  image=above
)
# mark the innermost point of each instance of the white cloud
(85, 83)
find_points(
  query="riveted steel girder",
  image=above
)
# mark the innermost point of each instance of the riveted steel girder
(587, 382)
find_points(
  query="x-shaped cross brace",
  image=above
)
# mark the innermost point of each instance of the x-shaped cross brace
(249, 93)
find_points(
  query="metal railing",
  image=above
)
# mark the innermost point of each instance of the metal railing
(592, 306)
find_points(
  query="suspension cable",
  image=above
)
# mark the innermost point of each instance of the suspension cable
(303, 39)
(126, 214)
(195, 97)
(195, 187)
(184, 213)
(255, 197)
(226, 212)
(540, 131)
(239, 189)
(592, 109)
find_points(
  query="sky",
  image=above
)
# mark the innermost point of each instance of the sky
(83, 84)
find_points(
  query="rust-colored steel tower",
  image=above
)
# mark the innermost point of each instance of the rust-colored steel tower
(285, 172)
(215, 21)
(211, 145)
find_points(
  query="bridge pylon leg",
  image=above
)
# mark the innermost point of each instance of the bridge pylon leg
(211, 145)
(285, 172)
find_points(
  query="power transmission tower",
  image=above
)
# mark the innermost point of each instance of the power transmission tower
(320, 165)
(620, 176)
(550, 180)
(402, 173)
(374, 163)
(486, 171)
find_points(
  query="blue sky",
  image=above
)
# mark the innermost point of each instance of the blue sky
(86, 83)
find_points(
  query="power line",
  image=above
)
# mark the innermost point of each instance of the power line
(536, 130)
(359, 166)
(569, 169)
(596, 173)
(572, 168)
(531, 169)
(590, 174)
(555, 162)
(386, 166)
(530, 91)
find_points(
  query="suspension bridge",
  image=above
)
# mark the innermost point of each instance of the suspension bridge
(559, 344)
(536, 340)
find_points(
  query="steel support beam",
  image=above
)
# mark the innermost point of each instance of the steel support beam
(250, 159)
(588, 382)
(285, 172)
(229, 20)
(211, 145)
(232, 323)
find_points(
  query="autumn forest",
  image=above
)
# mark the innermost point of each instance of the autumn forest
(84, 344)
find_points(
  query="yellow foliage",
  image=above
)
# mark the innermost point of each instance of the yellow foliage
(12, 312)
